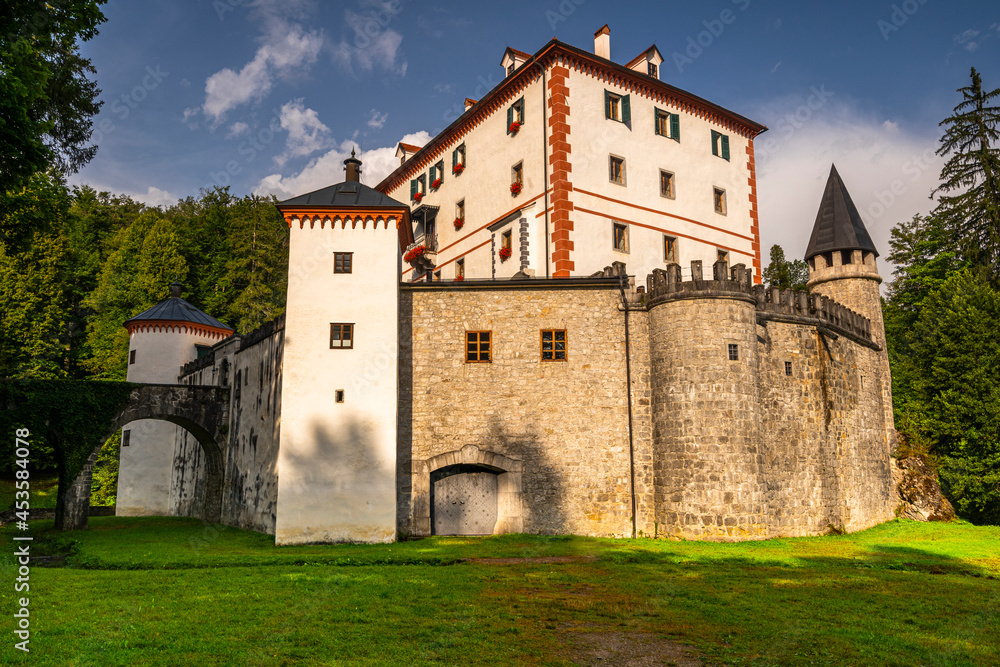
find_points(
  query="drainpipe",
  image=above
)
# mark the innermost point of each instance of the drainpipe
(545, 166)
(628, 394)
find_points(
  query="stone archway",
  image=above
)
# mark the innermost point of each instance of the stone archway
(471, 459)
(202, 411)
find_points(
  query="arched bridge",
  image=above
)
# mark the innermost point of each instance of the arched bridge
(202, 411)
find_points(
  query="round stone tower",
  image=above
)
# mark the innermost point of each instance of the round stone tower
(841, 258)
(706, 407)
(161, 340)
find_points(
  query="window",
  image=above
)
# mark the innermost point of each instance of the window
(126, 438)
(458, 159)
(670, 249)
(553, 345)
(517, 173)
(131, 357)
(477, 347)
(651, 70)
(667, 124)
(845, 256)
(619, 237)
(666, 184)
(788, 368)
(721, 255)
(505, 239)
(616, 169)
(460, 269)
(342, 262)
(418, 188)
(460, 211)
(617, 107)
(341, 336)
(720, 145)
(338, 396)
(734, 352)
(435, 175)
(515, 116)
(719, 197)
(510, 69)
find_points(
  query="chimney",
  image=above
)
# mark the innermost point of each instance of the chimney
(353, 168)
(602, 42)
(175, 289)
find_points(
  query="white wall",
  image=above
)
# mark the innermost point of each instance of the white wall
(145, 466)
(336, 462)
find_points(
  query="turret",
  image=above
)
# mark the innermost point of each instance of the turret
(337, 451)
(161, 340)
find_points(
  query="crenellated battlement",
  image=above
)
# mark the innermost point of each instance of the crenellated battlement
(772, 303)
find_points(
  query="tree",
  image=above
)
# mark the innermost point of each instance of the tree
(973, 171)
(134, 278)
(46, 100)
(784, 274)
(954, 352)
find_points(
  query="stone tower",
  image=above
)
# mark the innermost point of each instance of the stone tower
(161, 340)
(337, 451)
(841, 258)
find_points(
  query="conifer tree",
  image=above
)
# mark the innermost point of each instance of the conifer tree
(972, 139)
(784, 274)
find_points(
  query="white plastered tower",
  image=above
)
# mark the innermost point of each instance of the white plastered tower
(338, 433)
(161, 340)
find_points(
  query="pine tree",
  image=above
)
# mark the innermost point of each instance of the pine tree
(784, 274)
(972, 139)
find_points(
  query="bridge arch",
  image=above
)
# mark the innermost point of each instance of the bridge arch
(202, 411)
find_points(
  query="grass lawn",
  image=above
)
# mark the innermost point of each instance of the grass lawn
(169, 591)
(43, 490)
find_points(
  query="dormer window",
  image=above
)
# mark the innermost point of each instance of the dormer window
(651, 70)
(510, 69)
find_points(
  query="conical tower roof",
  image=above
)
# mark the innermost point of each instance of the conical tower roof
(176, 309)
(838, 223)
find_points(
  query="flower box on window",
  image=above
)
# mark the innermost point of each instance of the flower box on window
(504, 254)
(436, 183)
(459, 223)
(458, 169)
(414, 253)
(417, 196)
(514, 127)
(515, 188)
(459, 279)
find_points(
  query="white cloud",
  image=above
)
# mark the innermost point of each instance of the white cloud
(306, 133)
(370, 45)
(286, 49)
(329, 169)
(237, 129)
(889, 171)
(968, 40)
(377, 120)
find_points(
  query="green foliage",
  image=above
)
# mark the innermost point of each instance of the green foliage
(972, 139)
(104, 482)
(46, 100)
(71, 417)
(147, 258)
(784, 274)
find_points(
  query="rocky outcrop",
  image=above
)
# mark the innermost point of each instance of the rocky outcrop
(919, 492)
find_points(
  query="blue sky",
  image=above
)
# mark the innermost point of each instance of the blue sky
(269, 95)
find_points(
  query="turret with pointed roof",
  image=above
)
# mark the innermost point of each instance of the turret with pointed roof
(838, 223)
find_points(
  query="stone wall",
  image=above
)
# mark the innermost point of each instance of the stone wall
(564, 423)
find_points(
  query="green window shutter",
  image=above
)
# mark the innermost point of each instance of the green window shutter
(675, 127)
(656, 120)
(510, 117)
(626, 110)
(607, 104)
(725, 146)
(413, 188)
(520, 107)
(715, 142)
(454, 158)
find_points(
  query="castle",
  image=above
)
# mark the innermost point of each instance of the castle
(586, 348)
